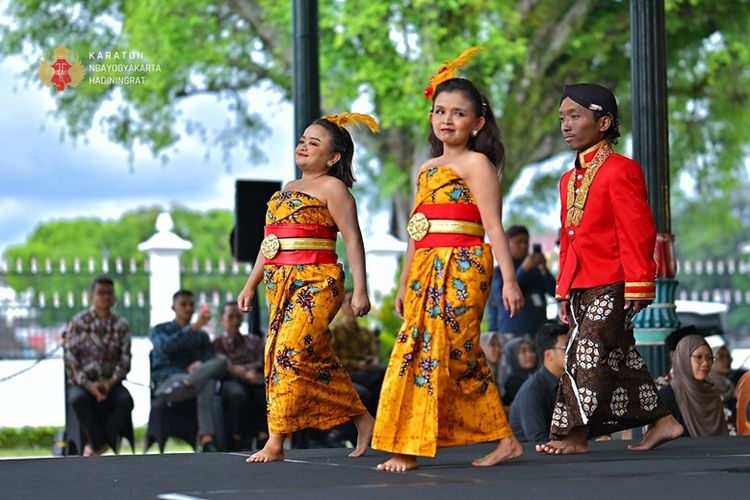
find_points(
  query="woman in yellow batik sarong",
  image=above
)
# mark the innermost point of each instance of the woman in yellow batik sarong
(306, 385)
(439, 390)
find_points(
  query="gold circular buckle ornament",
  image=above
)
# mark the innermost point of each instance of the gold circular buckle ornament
(418, 226)
(270, 246)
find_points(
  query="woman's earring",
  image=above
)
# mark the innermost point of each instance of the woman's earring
(330, 163)
(474, 133)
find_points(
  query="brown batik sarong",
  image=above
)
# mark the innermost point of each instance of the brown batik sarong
(606, 385)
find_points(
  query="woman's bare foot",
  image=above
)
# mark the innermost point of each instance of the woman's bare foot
(273, 451)
(573, 443)
(399, 463)
(365, 423)
(507, 449)
(665, 429)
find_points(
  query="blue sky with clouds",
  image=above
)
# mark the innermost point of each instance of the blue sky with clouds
(42, 178)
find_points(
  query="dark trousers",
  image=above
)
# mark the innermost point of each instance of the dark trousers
(101, 421)
(245, 407)
(202, 382)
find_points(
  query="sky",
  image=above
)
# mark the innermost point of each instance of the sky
(44, 178)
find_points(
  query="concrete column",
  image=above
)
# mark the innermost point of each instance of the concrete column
(164, 249)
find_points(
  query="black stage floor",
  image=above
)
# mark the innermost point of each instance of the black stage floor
(703, 468)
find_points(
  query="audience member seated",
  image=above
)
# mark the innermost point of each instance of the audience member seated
(519, 360)
(719, 377)
(492, 345)
(357, 349)
(690, 398)
(184, 365)
(670, 344)
(243, 393)
(97, 360)
(723, 365)
(743, 405)
(531, 412)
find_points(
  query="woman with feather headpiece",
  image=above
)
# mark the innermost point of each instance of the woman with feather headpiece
(439, 390)
(306, 385)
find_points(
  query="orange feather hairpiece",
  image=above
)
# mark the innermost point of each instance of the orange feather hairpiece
(448, 70)
(357, 119)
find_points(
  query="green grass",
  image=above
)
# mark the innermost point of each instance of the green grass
(24, 452)
(172, 446)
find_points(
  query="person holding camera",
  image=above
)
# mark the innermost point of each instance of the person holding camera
(535, 281)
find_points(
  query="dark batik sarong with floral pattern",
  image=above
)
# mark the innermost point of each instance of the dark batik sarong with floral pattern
(606, 385)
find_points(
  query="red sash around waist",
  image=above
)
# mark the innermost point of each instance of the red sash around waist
(458, 211)
(294, 257)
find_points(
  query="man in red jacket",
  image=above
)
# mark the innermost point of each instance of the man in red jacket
(607, 273)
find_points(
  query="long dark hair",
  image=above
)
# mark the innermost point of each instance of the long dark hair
(341, 142)
(488, 140)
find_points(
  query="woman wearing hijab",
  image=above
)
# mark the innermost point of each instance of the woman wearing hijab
(691, 399)
(492, 345)
(519, 360)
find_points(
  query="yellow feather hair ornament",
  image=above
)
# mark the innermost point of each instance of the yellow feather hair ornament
(357, 119)
(448, 70)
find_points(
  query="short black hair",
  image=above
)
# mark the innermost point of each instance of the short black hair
(515, 230)
(182, 292)
(228, 303)
(671, 341)
(546, 336)
(102, 280)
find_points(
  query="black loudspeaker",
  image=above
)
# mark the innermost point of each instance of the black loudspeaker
(250, 198)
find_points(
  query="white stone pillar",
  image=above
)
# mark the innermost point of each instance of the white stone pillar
(164, 249)
(382, 256)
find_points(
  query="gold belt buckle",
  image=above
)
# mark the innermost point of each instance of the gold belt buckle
(270, 246)
(418, 226)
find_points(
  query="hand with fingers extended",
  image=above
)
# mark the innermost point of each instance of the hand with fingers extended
(245, 299)
(512, 298)
(204, 316)
(563, 310)
(636, 306)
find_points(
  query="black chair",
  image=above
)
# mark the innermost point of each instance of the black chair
(171, 419)
(178, 419)
(76, 439)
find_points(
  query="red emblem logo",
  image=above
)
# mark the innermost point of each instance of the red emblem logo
(62, 71)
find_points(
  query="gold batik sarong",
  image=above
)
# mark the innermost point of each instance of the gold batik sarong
(306, 385)
(439, 390)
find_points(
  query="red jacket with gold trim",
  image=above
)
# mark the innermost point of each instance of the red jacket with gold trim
(616, 237)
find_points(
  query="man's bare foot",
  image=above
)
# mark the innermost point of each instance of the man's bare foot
(665, 429)
(507, 449)
(88, 451)
(365, 423)
(399, 463)
(573, 443)
(273, 451)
